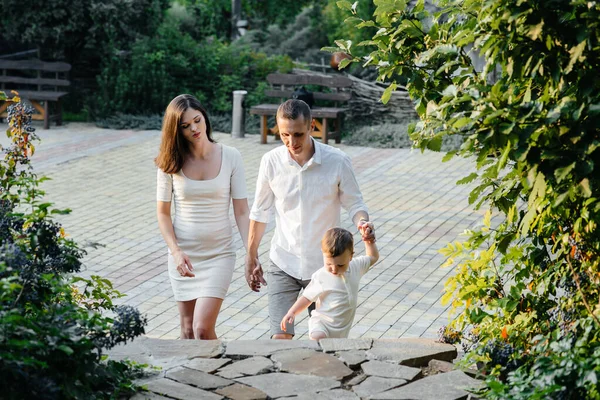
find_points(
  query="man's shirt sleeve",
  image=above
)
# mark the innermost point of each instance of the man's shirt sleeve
(264, 198)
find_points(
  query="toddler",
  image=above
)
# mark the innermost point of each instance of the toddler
(334, 287)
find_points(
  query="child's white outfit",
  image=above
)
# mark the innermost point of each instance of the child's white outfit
(336, 298)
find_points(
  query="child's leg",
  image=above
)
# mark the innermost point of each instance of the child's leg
(318, 335)
(316, 330)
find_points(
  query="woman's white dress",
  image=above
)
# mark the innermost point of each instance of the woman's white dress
(203, 227)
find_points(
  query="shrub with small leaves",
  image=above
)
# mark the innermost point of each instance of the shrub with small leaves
(54, 328)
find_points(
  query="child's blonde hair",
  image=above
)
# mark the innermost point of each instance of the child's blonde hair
(336, 241)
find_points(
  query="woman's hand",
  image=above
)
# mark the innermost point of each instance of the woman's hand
(184, 265)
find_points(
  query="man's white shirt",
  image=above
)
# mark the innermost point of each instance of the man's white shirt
(307, 201)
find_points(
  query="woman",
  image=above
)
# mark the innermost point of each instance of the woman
(202, 178)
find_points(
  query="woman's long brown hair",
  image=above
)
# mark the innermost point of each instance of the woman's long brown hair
(173, 146)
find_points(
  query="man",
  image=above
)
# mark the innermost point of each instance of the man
(307, 183)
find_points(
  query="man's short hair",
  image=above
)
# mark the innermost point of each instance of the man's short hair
(336, 241)
(293, 109)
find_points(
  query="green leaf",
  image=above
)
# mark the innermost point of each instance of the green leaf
(539, 188)
(344, 63)
(536, 31)
(387, 93)
(576, 55)
(365, 24)
(352, 20)
(461, 122)
(449, 155)
(467, 179)
(344, 5)
(435, 143)
(450, 91)
(504, 157)
(561, 173)
(585, 187)
(66, 349)
(526, 221)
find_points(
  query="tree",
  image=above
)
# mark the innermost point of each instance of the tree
(62, 29)
(527, 287)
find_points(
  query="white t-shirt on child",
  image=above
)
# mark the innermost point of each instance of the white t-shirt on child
(336, 298)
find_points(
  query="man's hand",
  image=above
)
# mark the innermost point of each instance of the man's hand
(254, 274)
(287, 319)
(367, 230)
(184, 265)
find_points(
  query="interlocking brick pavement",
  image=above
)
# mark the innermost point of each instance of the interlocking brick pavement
(107, 178)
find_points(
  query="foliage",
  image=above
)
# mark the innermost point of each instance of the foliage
(301, 39)
(53, 328)
(527, 283)
(129, 121)
(160, 67)
(388, 135)
(63, 28)
(213, 17)
(337, 22)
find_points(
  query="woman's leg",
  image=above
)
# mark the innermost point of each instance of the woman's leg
(205, 317)
(186, 318)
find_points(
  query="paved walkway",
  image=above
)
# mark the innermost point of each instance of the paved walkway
(108, 178)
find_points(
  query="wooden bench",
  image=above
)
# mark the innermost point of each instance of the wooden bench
(283, 85)
(36, 81)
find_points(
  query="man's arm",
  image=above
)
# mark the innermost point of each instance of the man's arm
(264, 200)
(254, 272)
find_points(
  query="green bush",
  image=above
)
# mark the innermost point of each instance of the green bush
(158, 68)
(526, 292)
(391, 136)
(53, 327)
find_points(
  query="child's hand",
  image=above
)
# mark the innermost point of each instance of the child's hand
(367, 230)
(287, 319)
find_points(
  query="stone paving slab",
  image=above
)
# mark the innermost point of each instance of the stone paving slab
(375, 384)
(333, 345)
(309, 362)
(301, 373)
(278, 384)
(389, 370)
(209, 365)
(242, 392)
(265, 348)
(447, 386)
(249, 366)
(166, 354)
(108, 179)
(352, 358)
(197, 378)
(335, 394)
(411, 351)
(178, 390)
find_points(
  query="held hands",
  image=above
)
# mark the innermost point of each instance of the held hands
(287, 319)
(184, 265)
(367, 230)
(254, 274)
